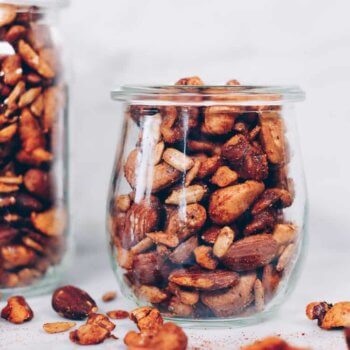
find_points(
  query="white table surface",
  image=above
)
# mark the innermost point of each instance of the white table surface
(258, 41)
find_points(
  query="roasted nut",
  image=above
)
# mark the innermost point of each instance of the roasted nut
(147, 319)
(169, 337)
(270, 343)
(142, 246)
(224, 176)
(259, 295)
(177, 308)
(187, 195)
(330, 316)
(285, 257)
(73, 303)
(53, 100)
(28, 97)
(38, 182)
(184, 252)
(270, 280)
(184, 223)
(208, 165)
(193, 172)
(141, 218)
(284, 234)
(228, 203)
(51, 223)
(147, 268)
(204, 280)
(188, 297)
(58, 327)
(117, 314)
(34, 61)
(7, 133)
(264, 221)
(177, 159)
(232, 301)
(219, 120)
(195, 81)
(15, 33)
(100, 320)
(223, 241)
(8, 14)
(89, 334)
(250, 253)
(204, 257)
(17, 310)
(272, 136)
(151, 294)
(16, 255)
(249, 161)
(12, 70)
(167, 239)
(272, 197)
(109, 296)
(210, 234)
(317, 311)
(123, 203)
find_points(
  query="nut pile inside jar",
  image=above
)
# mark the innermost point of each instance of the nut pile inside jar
(33, 219)
(202, 231)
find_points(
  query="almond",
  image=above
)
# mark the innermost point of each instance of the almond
(227, 204)
(204, 280)
(73, 303)
(250, 253)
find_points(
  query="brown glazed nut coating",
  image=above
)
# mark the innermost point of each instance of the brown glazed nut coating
(32, 103)
(73, 303)
(201, 230)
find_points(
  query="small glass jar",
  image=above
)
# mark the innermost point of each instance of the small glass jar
(33, 147)
(207, 204)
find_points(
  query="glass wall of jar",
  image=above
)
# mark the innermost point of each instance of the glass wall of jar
(33, 147)
(206, 211)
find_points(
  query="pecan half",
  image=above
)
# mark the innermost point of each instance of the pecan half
(147, 319)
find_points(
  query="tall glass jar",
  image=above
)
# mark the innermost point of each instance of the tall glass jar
(33, 147)
(206, 212)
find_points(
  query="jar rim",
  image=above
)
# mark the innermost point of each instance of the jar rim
(40, 3)
(230, 94)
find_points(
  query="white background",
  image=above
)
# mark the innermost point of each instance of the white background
(113, 42)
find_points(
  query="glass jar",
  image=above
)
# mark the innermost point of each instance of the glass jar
(33, 148)
(207, 204)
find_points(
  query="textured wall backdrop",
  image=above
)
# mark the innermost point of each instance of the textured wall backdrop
(114, 42)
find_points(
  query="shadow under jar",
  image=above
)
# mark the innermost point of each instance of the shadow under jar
(33, 148)
(207, 202)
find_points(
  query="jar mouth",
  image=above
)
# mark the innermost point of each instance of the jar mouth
(44, 4)
(208, 94)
